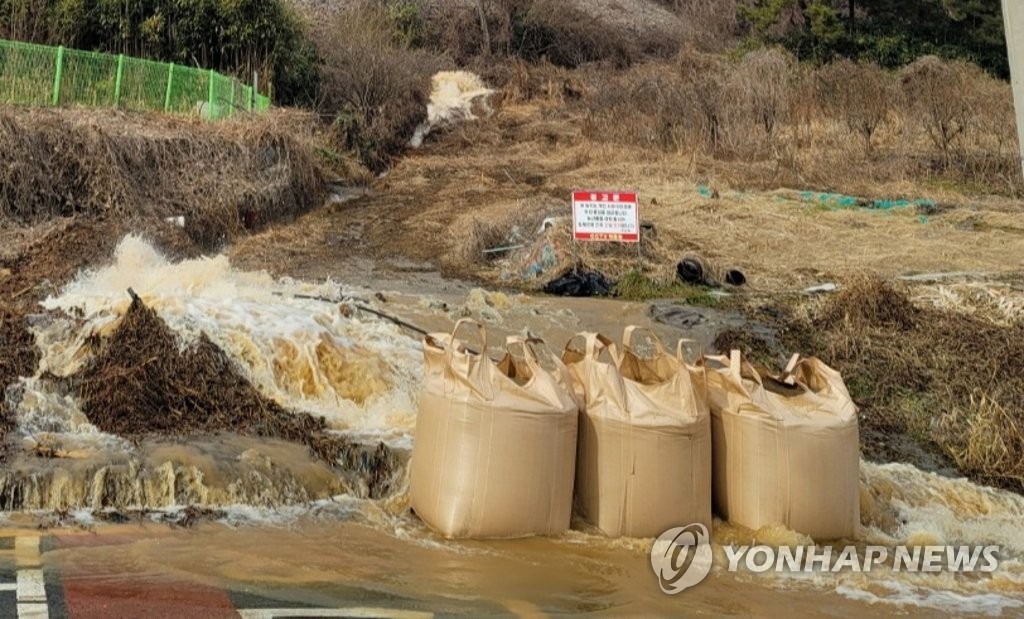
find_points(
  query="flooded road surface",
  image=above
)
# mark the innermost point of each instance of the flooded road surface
(133, 570)
(288, 531)
(344, 555)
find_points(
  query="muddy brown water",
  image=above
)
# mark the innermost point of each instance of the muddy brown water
(291, 528)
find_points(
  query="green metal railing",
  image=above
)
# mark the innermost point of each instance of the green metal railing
(40, 75)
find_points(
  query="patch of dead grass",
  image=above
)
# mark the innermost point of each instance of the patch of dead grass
(939, 375)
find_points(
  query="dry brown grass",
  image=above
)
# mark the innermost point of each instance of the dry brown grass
(941, 376)
(535, 151)
(985, 439)
(225, 178)
(374, 87)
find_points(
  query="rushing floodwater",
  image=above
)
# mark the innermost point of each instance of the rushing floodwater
(362, 375)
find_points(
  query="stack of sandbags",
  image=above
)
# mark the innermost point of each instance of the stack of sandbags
(495, 443)
(644, 456)
(786, 448)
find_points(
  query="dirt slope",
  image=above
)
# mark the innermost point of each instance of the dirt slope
(491, 181)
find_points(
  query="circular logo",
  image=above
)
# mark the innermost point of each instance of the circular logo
(681, 557)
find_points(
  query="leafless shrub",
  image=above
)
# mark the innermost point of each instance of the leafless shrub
(762, 85)
(566, 36)
(704, 89)
(991, 102)
(787, 123)
(937, 97)
(712, 23)
(374, 85)
(861, 95)
(647, 105)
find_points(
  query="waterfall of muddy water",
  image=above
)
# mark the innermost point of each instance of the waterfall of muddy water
(359, 375)
(363, 376)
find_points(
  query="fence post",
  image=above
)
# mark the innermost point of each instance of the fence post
(170, 83)
(58, 74)
(209, 111)
(234, 87)
(117, 81)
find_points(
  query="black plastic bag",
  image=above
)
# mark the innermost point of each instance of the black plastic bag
(580, 283)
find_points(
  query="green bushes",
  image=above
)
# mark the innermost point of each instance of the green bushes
(890, 33)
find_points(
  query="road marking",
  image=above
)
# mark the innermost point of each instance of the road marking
(278, 613)
(26, 551)
(33, 611)
(31, 587)
(8, 586)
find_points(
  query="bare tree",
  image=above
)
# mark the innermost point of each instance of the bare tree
(937, 97)
(763, 85)
(859, 94)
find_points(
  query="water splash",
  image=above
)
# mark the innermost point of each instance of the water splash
(305, 354)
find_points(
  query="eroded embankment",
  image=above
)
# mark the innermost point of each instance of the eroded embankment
(221, 178)
(74, 182)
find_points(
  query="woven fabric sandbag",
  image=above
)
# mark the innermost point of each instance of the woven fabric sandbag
(495, 444)
(644, 455)
(786, 449)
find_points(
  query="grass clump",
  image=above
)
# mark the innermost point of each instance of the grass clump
(635, 286)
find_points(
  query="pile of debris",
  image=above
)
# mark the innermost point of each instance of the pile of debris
(142, 382)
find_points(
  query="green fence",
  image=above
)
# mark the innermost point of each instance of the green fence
(40, 75)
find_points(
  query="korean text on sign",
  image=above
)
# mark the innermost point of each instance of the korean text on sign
(605, 216)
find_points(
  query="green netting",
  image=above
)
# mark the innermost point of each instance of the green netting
(27, 74)
(88, 79)
(40, 75)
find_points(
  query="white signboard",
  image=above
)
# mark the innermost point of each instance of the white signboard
(605, 216)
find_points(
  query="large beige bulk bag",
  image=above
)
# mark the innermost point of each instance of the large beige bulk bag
(786, 450)
(495, 444)
(644, 456)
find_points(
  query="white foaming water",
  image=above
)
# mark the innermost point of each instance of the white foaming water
(362, 376)
(903, 505)
(452, 97)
